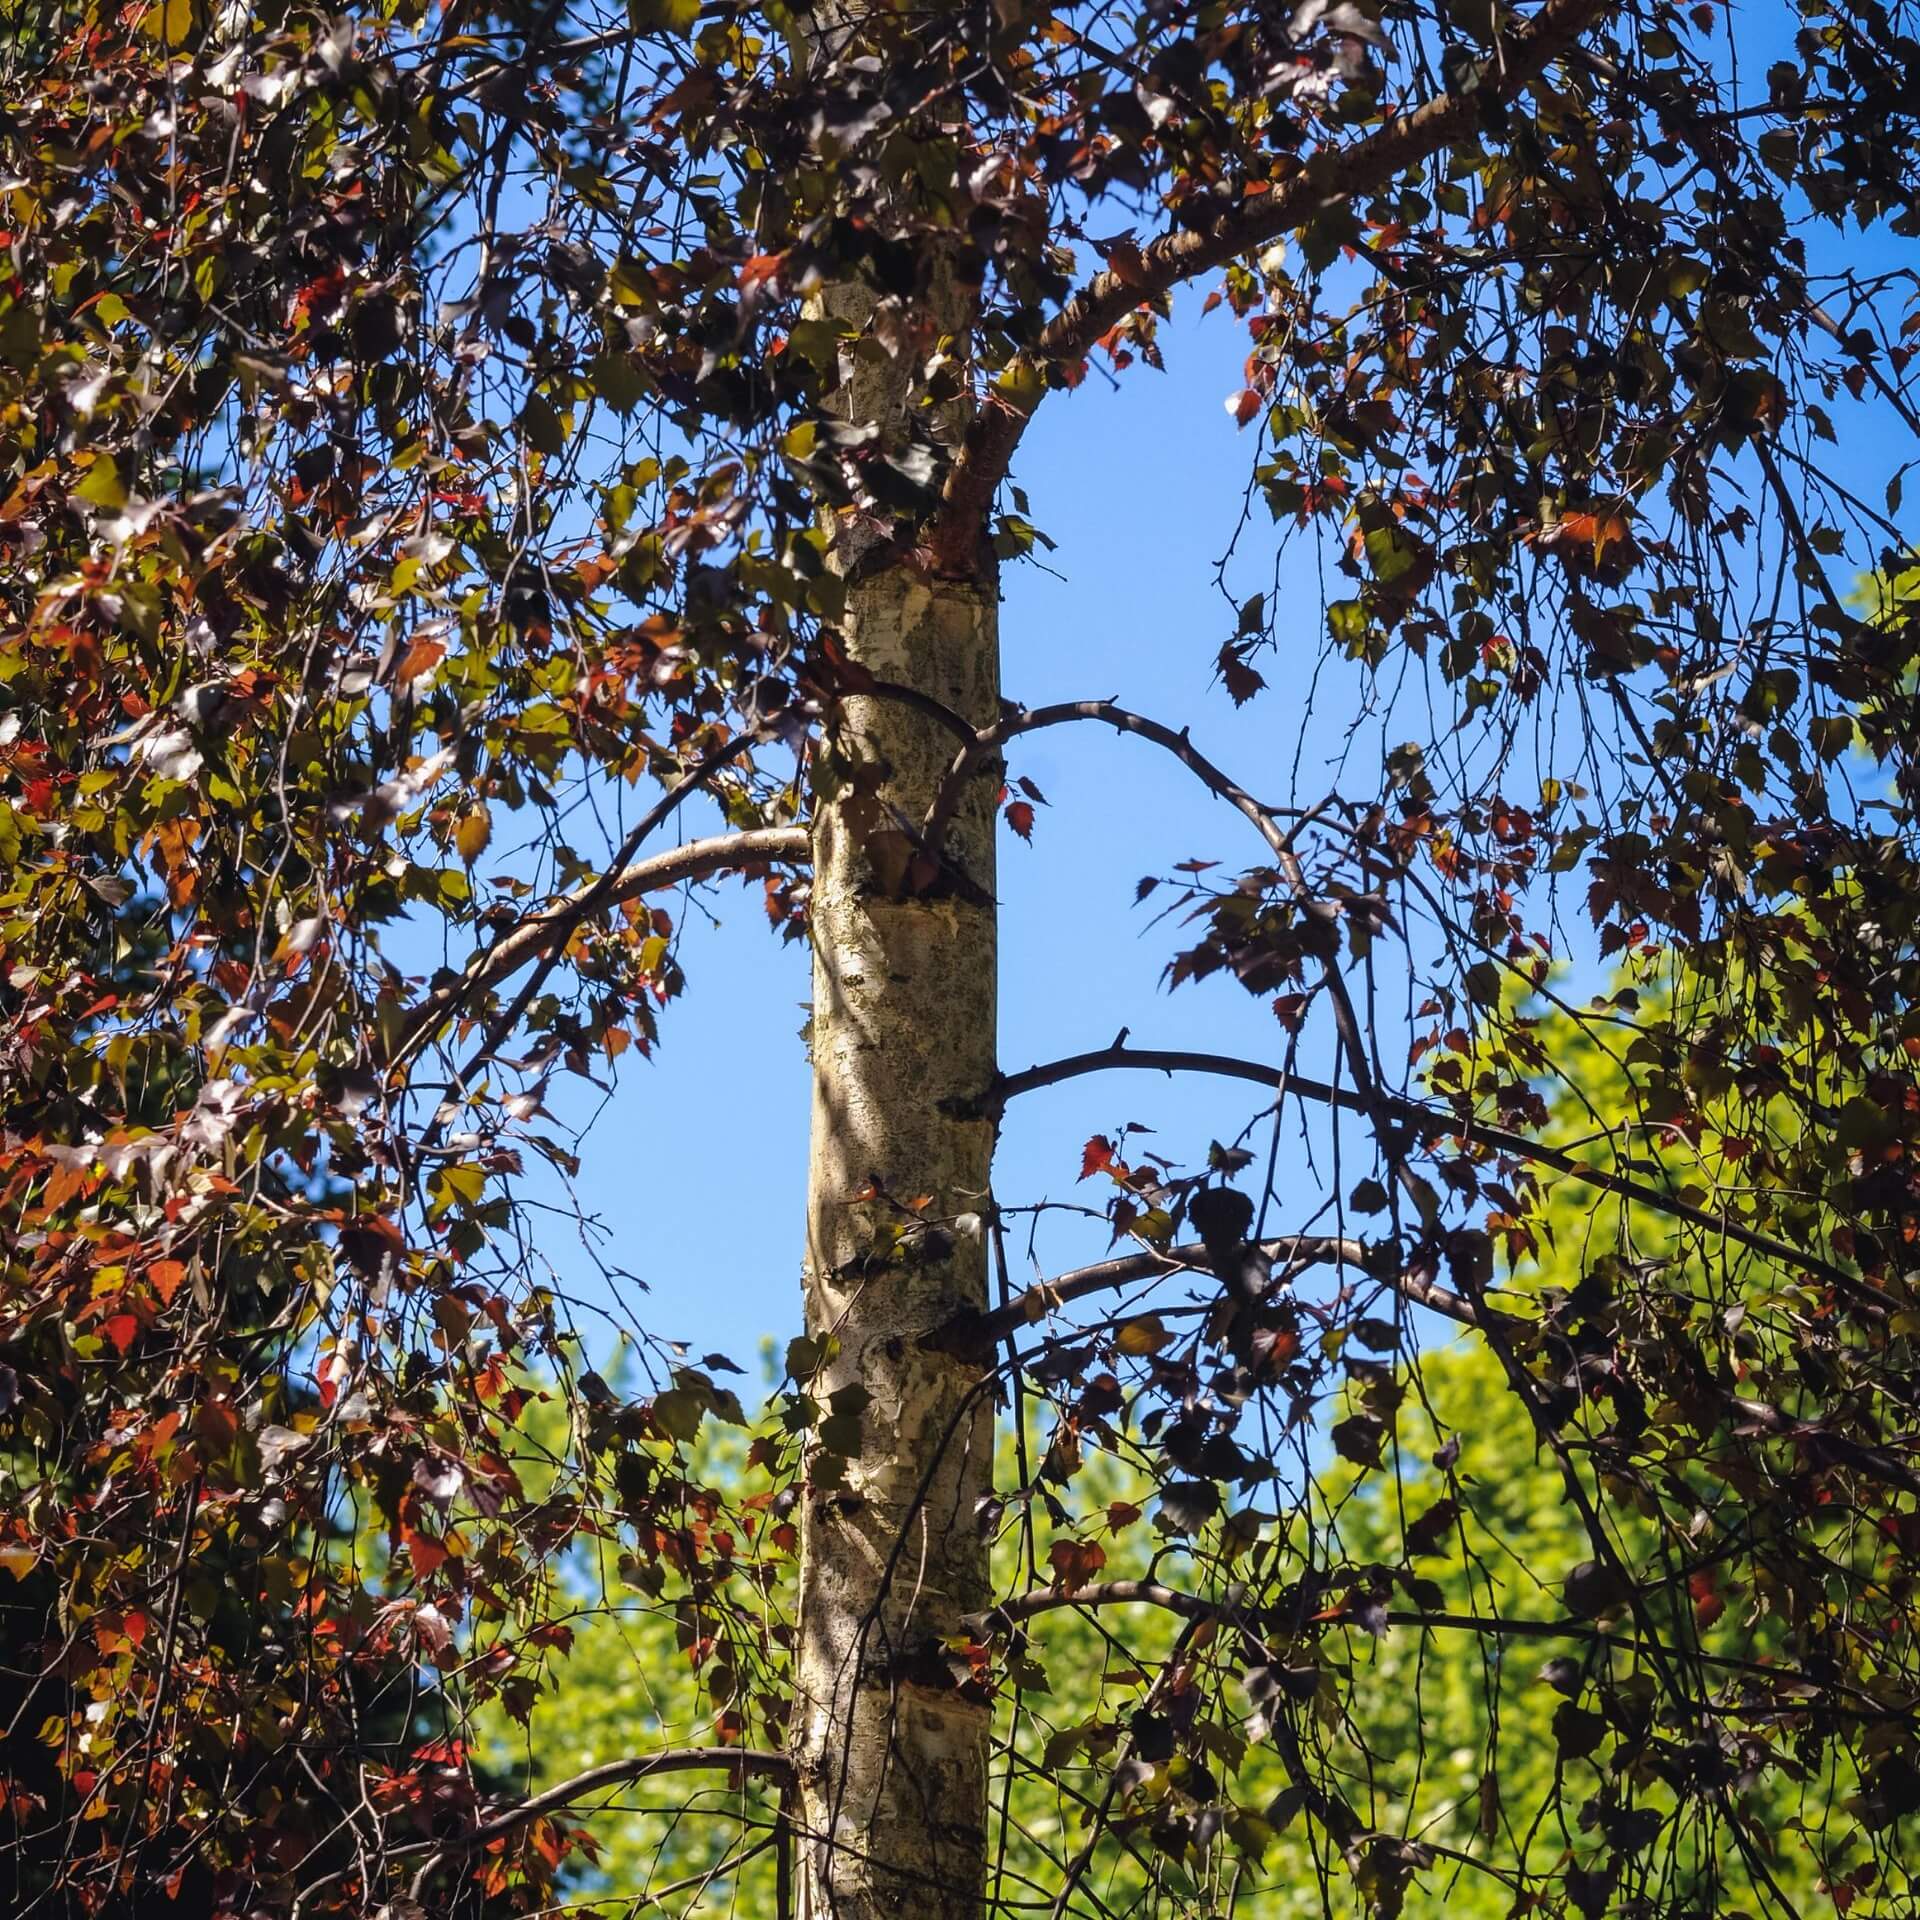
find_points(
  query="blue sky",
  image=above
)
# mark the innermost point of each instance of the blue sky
(696, 1168)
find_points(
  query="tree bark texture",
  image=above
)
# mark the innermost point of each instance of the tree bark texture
(889, 1735)
(890, 1742)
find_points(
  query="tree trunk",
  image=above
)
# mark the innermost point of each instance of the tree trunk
(890, 1744)
(889, 1741)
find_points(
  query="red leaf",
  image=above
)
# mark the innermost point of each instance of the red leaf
(1243, 405)
(423, 1550)
(1708, 1603)
(328, 1375)
(1290, 1009)
(123, 1329)
(1020, 819)
(165, 1277)
(1097, 1156)
(1242, 682)
(1075, 1562)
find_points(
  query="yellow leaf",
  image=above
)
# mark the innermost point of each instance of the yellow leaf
(169, 21)
(672, 16)
(475, 829)
(1141, 1336)
(103, 486)
(1021, 384)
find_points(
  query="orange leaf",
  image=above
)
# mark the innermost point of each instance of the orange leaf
(422, 657)
(165, 1277)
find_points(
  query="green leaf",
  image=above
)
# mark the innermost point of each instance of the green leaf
(103, 486)
(678, 1412)
(540, 427)
(1347, 622)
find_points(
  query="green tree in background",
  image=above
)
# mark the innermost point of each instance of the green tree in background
(1488, 1755)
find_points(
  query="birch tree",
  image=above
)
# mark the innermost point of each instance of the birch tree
(475, 473)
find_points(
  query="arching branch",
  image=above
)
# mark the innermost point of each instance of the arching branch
(538, 933)
(1333, 174)
(1195, 1606)
(1431, 1123)
(750, 1763)
(989, 740)
(1104, 1593)
(1371, 1099)
(1233, 1606)
(589, 899)
(979, 1332)
(747, 1761)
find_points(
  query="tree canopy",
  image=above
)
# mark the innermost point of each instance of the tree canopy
(472, 473)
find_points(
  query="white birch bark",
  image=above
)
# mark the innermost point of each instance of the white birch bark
(890, 1748)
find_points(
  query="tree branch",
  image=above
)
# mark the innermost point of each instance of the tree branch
(1431, 1123)
(1104, 1593)
(1371, 1100)
(578, 906)
(989, 741)
(748, 1761)
(1332, 174)
(975, 1333)
(697, 860)
(1193, 1606)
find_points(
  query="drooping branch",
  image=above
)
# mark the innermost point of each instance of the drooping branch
(978, 1333)
(1432, 1123)
(1679, 112)
(589, 899)
(989, 740)
(752, 1763)
(1333, 174)
(539, 932)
